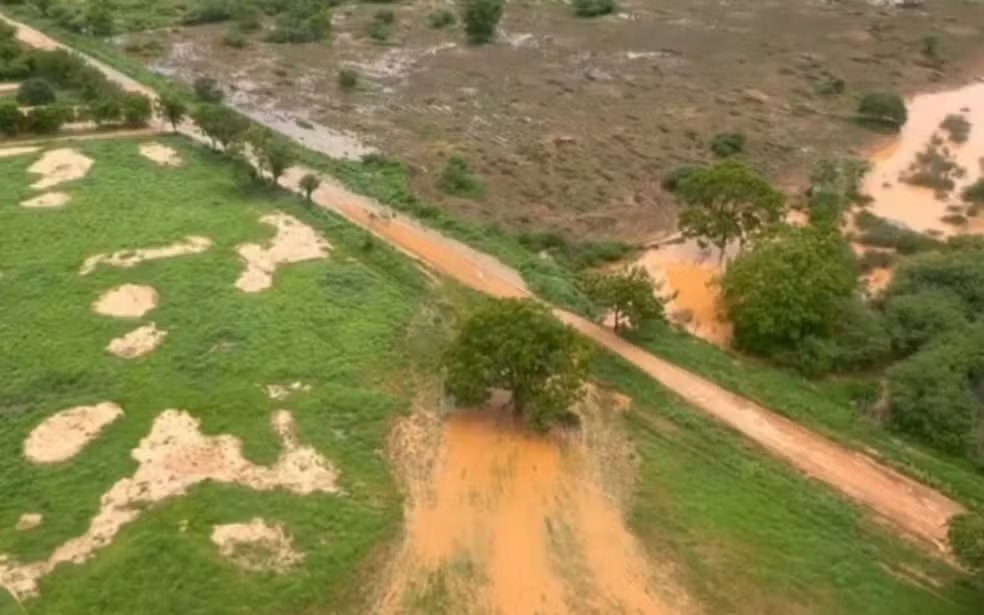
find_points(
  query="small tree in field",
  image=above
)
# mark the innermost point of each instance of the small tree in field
(221, 125)
(481, 18)
(966, 536)
(272, 153)
(35, 92)
(628, 295)
(885, 107)
(727, 202)
(137, 109)
(172, 108)
(310, 183)
(517, 345)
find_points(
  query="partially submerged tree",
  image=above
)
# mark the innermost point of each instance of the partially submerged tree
(481, 18)
(519, 346)
(727, 202)
(628, 295)
(172, 108)
(309, 183)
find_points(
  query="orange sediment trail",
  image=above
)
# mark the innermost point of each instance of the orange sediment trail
(917, 510)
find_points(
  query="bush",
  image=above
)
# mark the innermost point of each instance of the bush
(885, 107)
(137, 109)
(348, 79)
(380, 28)
(935, 169)
(99, 18)
(35, 92)
(966, 537)
(481, 18)
(957, 126)
(207, 90)
(914, 320)
(459, 180)
(974, 193)
(299, 27)
(727, 144)
(48, 120)
(10, 118)
(209, 11)
(234, 37)
(672, 181)
(876, 259)
(441, 18)
(594, 8)
(107, 110)
(881, 233)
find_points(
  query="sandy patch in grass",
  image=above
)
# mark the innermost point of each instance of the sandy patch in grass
(138, 342)
(257, 545)
(293, 243)
(280, 392)
(174, 457)
(161, 154)
(28, 521)
(126, 301)
(124, 259)
(7, 152)
(62, 435)
(60, 165)
(48, 200)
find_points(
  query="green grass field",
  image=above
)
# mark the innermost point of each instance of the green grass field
(337, 324)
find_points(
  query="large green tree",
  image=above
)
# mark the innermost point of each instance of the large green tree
(790, 288)
(517, 345)
(727, 202)
(221, 124)
(172, 108)
(628, 295)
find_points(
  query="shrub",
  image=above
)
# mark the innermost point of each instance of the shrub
(34, 92)
(885, 107)
(441, 18)
(933, 168)
(380, 28)
(458, 179)
(348, 79)
(727, 144)
(957, 126)
(300, 27)
(137, 109)
(99, 18)
(234, 37)
(974, 193)
(672, 181)
(966, 536)
(481, 18)
(876, 259)
(881, 233)
(915, 319)
(10, 118)
(209, 11)
(107, 110)
(207, 90)
(49, 119)
(594, 8)
(931, 47)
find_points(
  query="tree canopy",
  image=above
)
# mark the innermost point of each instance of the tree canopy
(886, 107)
(628, 295)
(517, 345)
(481, 18)
(727, 202)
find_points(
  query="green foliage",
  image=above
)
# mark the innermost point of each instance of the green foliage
(47, 120)
(672, 182)
(885, 107)
(223, 126)
(348, 79)
(789, 289)
(99, 17)
(974, 193)
(10, 118)
(137, 109)
(172, 107)
(309, 183)
(303, 22)
(882, 233)
(921, 315)
(876, 259)
(574, 255)
(594, 8)
(727, 144)
(629, 295)
(234, 37)
(458, 179)
(517, 345)
(966, 536)
(34, 92)
(481, 18)
(273, 152)
(381, 26)
(441, 18)
(957, 127)
(209, 11)
(728, 202)
(931, 47)
(207, 90)
(107, 110)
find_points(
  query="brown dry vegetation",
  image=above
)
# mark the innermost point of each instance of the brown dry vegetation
(571, 122)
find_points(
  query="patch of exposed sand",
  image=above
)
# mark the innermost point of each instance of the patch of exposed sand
(257, 545)
(280, 392)
(126, 301)
(124, 259)
(293, 243)
(138, 342)
(62, 435)
(48, 200)
(174, 457)
(28, 521)
(512, 522)
(161, 154)
(7, 152)
(60, 165)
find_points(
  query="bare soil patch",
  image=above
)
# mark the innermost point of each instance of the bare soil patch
(62, 435)
(126, 301)
(511, 522)
(138, 342)
(192, 244)
(48, 200)
(258, 546)
(29, 521)
(294, 242)
(161, 154)
(174, 457)
(58, 166)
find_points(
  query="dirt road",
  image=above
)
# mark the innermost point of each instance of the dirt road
(919, 512)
